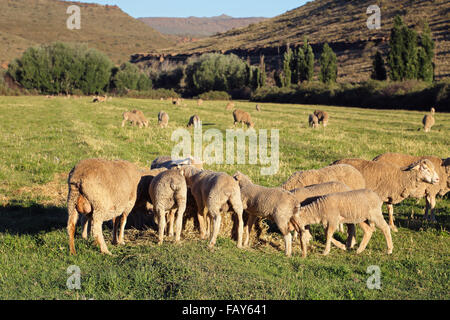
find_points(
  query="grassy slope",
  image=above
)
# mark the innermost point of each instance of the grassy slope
(28, 22)
(42, 139)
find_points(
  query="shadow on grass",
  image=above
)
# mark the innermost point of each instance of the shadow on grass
(17, 218)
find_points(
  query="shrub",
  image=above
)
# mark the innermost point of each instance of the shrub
(328, 65)
(125, 78)
(215, 95)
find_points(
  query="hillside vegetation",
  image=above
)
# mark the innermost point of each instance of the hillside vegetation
(42, 139)
(25, 23)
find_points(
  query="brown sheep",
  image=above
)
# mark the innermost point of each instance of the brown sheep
(351, 207)
(313, 121)
(230, 106)
(214, 193)
(258, 108)
(392, 183)
(322, 116)
(163, 119)
(102, 190)
(135, 117)
(199, 102)
(244, 117)
(428, 121)
(429, 191)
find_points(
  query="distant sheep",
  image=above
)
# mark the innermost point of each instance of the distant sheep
(230, 106)
(392, 183)
(258, 108)
(428, 121)
(429, 191)
(194, 121)
(102, 190)
(135, 117)
(163, 119)
(356, 206)
(322, 116)
(199, 102)
(244, 117)
(100, 99)
(313, 121)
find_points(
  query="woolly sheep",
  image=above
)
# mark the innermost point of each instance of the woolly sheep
(351, 207)
(102, 190)
(230, 106)
(135, 117)
(168, 191)
(199, 102)
(392, 183)
(428, 122)
(429, 191)
(194, 121)
(213, 193)
(163, 119)
(258, 108)
(276, 204)
(313, 121)
(322, 116)
(244, 117)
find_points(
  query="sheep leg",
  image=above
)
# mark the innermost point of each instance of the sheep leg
(351, 236)
(338, 244)
(366, 237)
(201, 216)
(217, 217)
(86, 222)
(331, 228)
(179, 221)
(431, 203)
(98, 234)
(162, 224)
(71, 226)
(288, 244)
(170, 222)
(304, 242)
(391, 217)
(123, 222)
(236, 203)
(123, 123)
(381, 224)
(115, 230)
(248, 228)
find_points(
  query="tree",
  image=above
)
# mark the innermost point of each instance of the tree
(425, 56)
(298, 73)
(328, 65)
(309, 61)
(287, 67)
(379, 71)
(262, 77)
(126, 77)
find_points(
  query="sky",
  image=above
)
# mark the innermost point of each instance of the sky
(203, 8)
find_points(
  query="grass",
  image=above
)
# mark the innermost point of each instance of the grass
(42, 139)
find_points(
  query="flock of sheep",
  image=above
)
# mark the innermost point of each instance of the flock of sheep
(349, 191)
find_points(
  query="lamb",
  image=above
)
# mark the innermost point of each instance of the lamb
(102, 190)
(356, 206)
(313, 121)
(442, 167)
(230, 106)
(163, 119)
(135, 117)
(168, 191)
(392, 183)
(168, 162)
(346, 174)
(244, 117)
(428, 121)
(214, 192)
(276, 204)
(194, 121)
(322, 116)
(258, 108)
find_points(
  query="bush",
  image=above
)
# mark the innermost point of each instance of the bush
(215, 95)
(153, 94)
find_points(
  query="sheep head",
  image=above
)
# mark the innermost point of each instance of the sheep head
(241, 178)
(426, 171)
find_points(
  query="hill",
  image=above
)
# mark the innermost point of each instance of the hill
(198, 26)
(24, 23)
(340, 23)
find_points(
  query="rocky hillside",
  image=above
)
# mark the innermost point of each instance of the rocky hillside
(338, 22)
(198, 27)
(24, 23)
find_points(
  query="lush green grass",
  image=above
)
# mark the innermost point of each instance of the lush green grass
(42, 139)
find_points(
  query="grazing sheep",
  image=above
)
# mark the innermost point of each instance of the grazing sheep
(168, 191)
(346, 174)
(168, 162)
(135, 117)
(194, 121)
(356, 206)
(392, 183)
(163, 119)
(244, 117)
(276, 204)
(429, 191)
(428, 121)
(230, 106)
(313, 121)
(214, 192)
(100, 99)
(102, 190)
(199, 102)
(322, 116)
(258, 108)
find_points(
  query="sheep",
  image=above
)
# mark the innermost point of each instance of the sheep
(342, 173)
(199, 102)
(356, 206)
(214, 192)
(392, 183)
(102, 190)
(244, 117)
(258, 108)
(442, 167)
(100, 99)
(169, 162)
(168, 191)
(428, 121)
(313, 121)
(276, 204)
(322, 116)
(230, 106)
(194, 121)
(163, 119)
(135, 117)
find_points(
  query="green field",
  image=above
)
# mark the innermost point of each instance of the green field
(42, 139)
